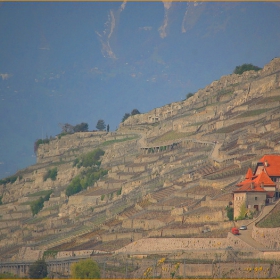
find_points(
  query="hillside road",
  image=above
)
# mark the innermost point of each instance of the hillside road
(246, 235)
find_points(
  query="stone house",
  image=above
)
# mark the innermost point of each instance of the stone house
(258, 188)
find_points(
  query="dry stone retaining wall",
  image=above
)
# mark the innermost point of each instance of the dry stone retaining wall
(269, 237)
(142, 224)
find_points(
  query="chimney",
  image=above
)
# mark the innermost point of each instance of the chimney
(252, 185)
(262, 185)
(266, 163)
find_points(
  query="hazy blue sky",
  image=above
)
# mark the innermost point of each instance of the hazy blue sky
(79, 62)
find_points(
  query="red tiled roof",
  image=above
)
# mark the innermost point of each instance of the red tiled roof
(255, 183)
(264, 178)
(273, 161)
(249, 174)
(250, 187)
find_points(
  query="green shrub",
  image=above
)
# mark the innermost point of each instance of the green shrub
(37, 205)
(119, 192)
(62, 134)
(102, 197)
(85, 269)
(50, 253)
(76, 161)
(51, 173)
(7, 180)
(89, 159)
(189, 95)
(74, 187)
(88, 177)
(48, 195)
(229, 213)
(245, 67)
(38, 142)
(85, 179)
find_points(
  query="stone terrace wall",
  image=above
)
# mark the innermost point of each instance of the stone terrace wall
(26, 253)
(166, 232)
(142, 224)
(83, 200)
(124, 235)
(269, 237)
(210, 216)
(175, 244)
(60, 255)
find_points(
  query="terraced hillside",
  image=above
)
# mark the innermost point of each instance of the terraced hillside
(171, 172)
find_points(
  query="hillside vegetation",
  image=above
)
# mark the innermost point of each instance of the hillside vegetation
(167, 173)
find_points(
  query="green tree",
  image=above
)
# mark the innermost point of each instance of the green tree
(189, 95)
(74, 187)
(134, 112)
(66, 128)
(108, 128)
(37, 205)
(126, 116)
(85, 269)
(229, 213)
(100, 125)
(38, 270)
(245, 67)
(82, 127)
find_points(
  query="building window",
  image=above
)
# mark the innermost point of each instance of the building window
(256, 198)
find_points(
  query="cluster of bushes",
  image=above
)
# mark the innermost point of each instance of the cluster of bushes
(7, 180)
(245, 67)
(90, 159)
(133, 112)
(89, 176)
(51, 173)
(40, 141)
(38, 204)
(84, 180)
(69, 128)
